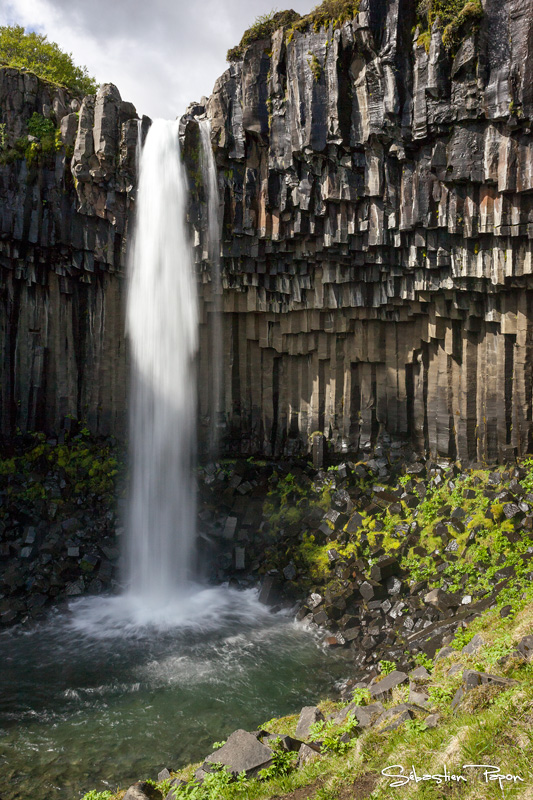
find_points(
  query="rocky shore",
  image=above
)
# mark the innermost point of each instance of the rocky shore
(337, 747)
(60, 522)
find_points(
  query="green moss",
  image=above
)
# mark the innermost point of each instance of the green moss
(424, 40)
(88, 468)
(457, 19)
(315, 66)
(329, 12)
(263, 27)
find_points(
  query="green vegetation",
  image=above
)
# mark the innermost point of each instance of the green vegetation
(283, 761)
(43, 140)
(315, 66)
(485, 543)
(491, 725)
(361, 697)
(263, 27)
(94, 795)
(386, 667)
(329, 12)
(87, 468)
(33, 52)
(456, 18)
(335, 738)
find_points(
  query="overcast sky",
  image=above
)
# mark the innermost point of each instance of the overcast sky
(162, 54)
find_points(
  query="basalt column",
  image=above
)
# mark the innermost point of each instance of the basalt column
(377, 238)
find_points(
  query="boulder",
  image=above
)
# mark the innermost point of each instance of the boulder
(525, 647)
(473, 645)
(367, 715)
(285, 742)
(309, 715)
(241, 753)
(394, 717)
(471, 679)
(306, 755)
(143, 791)
(383, 688)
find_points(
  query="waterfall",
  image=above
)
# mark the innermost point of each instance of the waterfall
(209, 174)
(162, 321)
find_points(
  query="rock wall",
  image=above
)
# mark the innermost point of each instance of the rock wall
(377, 236)
(63, 227)
(376, 252)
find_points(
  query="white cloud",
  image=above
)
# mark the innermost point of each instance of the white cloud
(161, 54)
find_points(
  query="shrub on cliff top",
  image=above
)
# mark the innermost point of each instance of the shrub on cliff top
(33, 51)
(263, 27)
(329, 11)
(456, 19)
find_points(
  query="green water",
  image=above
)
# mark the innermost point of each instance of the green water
(99, 697)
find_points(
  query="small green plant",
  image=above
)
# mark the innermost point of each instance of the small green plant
(165, 786)
(440, 695)
(462, 637)
(213, 787)
(218, 745)
(283, 761)
(361, 697)
(334, 742)
(386, 667)
(315, 66)
(330, 734)
(94, 795)
(422, 660)
(415, 726)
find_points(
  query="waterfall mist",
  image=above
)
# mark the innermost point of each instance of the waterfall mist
(162, 323)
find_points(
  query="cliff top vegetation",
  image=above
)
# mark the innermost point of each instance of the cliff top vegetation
(34, 52)
(455, 18)
(336, 11)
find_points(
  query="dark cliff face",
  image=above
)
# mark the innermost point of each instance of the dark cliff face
(378, 219)
(376, 253)
(63, 226)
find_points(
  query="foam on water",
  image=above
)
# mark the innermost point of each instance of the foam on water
(194, 608)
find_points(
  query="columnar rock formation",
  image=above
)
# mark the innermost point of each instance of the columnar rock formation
(376, 242)
(377, 249)
(63, 225)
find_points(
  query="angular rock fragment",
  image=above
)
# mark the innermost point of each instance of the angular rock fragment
(242, 752)
(309, 715)
(383, 688)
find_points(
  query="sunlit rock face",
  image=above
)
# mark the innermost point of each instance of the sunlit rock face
(377, 233)
(377, 224)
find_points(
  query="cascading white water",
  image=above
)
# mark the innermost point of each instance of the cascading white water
(162, 321)
(209, 173)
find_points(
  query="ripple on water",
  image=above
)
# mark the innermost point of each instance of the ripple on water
(110, 693)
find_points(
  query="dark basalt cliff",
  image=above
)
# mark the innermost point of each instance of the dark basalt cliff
(376, 249)
(63, 227)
